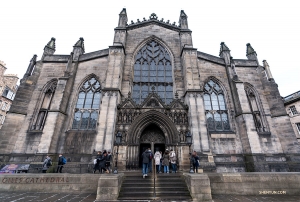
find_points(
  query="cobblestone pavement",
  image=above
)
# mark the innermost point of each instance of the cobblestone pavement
(61, 197)
(260, 198)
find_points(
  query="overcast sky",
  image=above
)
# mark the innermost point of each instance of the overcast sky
(272, 28)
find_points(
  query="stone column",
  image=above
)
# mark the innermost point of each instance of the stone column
(111, 98)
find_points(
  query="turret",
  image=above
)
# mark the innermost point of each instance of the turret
(49, 48)
(78, 49)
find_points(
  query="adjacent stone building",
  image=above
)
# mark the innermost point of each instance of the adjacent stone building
(8, 88)
(151, 88)
(292, 105)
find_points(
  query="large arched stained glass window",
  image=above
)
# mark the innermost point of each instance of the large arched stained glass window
(87, 106)
(215, 107)
(152, 68)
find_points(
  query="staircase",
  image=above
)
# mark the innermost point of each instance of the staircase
(167, 187)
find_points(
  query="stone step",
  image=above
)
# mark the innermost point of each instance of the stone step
(168, 187)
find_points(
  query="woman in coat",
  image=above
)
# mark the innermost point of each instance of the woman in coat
(157, 157)
(166, 161)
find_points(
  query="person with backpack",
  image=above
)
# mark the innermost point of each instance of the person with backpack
(61, 162)
(47, 163)
(97, 162)
(173, 161)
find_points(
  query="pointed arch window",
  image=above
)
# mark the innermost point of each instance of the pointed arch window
(152, 68)
(215, 107)
(256, 110)
(87, 106)
(40, 120)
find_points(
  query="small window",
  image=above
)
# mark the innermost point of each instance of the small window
(293, 110)
(4, 106)
(2, 118)
(298, 127)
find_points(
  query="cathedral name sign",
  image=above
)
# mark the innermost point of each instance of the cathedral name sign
(34, 180)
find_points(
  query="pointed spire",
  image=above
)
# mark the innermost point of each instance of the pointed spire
(183, 23)
(223, 47)
(123, 18)
(31, 66)
(225, 53)
(49, 48)
(80, 44)
(250, 52)
(78, 48)
(51, 44)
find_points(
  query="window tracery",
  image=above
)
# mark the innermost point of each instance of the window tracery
(256, 110)
(152, 68)
(45, 107)
(215, 107)
(87, 106)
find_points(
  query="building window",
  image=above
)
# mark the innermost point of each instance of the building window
(4, 106)
(215, 107)
(152, 73)
(45, 107)
(2, 118)
(87, 106)
(256, 110)
(298, 127)
(8, 93)
(293, 110)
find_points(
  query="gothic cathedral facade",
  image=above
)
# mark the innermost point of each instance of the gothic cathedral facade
(151, 88)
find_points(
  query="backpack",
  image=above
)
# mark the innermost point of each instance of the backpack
(64, 160)
(49, 163)
(150, 156)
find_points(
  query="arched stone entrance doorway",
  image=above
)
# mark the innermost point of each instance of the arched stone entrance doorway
(152, 137)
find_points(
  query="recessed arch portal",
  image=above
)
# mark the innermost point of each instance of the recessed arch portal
(153, 117)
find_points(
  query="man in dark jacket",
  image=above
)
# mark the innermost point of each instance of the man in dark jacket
(146, 160)
(102, 162)
(60, 164)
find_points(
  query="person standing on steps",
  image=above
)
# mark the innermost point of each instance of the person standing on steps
(102, 163)
(150, 162)
(47, 163)
(146, 160)
(166, 161)
(108, 160)
(97, 162)
(173, 161)
(61, 162)
(157, 157)
(195, 161)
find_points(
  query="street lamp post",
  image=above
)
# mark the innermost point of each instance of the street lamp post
(118, 142)
(188, 139)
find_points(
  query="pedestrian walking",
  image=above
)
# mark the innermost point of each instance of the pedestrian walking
(60, 164)
(173, 161)
(146, 160)
(157, 157)
(166, 161)
(46, 164)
